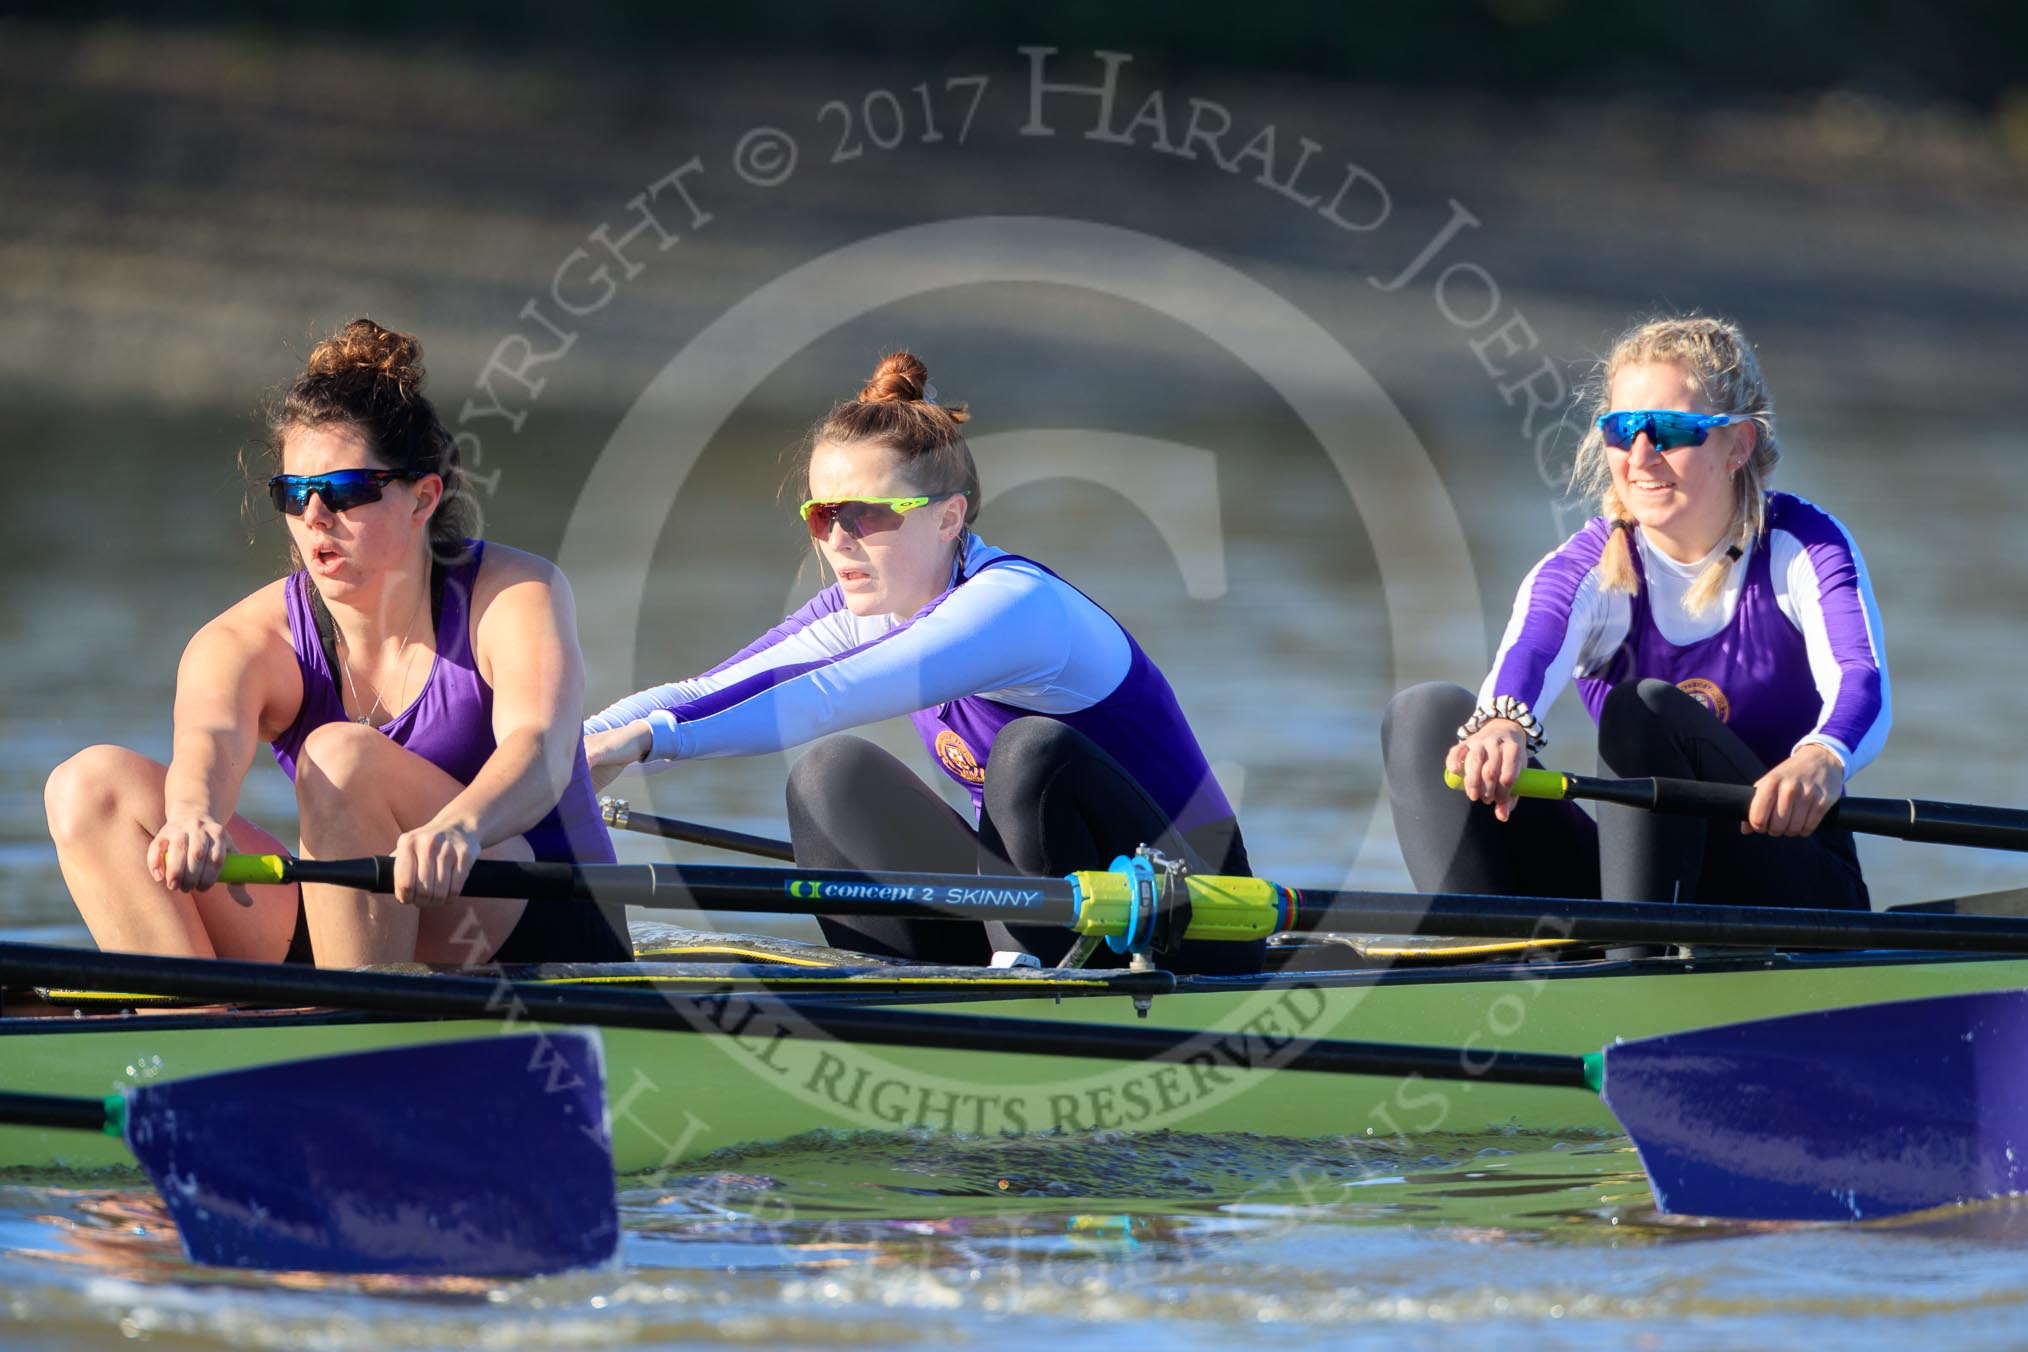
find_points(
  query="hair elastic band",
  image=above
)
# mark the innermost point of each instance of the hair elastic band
(1514, 710)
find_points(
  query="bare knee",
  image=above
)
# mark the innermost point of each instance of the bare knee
(340, 801)
(333, 768)
(85, 792)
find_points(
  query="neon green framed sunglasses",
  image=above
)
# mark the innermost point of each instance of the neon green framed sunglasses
(862, 517)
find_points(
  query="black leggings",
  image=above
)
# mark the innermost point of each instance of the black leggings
(1055, 803)
(1452, 844)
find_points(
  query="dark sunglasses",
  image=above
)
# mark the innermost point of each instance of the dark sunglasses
(341, 490)
(1668, 429)
(861, 517)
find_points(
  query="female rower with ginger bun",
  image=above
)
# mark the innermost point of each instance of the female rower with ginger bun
(1068, 739)
(422, 690)
(1717, 631)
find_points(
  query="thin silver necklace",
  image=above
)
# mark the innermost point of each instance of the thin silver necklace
(346, 667)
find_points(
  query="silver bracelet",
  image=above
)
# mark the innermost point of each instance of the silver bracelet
(1506, 706)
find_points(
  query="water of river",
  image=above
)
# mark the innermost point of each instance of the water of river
(1284, 630)
(1082, 1242)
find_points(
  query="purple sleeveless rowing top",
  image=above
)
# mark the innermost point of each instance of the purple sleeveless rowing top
(1140, 725)
(1754, 673)
(450, 724)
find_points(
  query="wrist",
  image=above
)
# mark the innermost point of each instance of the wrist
(1825, 752)
(452, 826)
(1505, 708)
(665, 736)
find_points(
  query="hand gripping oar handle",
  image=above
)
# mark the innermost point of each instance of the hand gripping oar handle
(1917, 819)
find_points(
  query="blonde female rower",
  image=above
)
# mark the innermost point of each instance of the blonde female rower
(1716, 630)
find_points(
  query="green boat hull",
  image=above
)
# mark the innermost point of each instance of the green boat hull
(678, 1096)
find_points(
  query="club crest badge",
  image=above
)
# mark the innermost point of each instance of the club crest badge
(1709, 695)
(958, 758)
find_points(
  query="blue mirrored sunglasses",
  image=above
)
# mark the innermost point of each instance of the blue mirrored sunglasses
(341, 490)
(1667, 428)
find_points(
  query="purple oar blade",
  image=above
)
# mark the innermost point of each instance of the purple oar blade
(1835, 1115)
(489, 1157)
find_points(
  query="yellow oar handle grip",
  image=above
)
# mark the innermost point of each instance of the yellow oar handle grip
(1222, 908)
(252, 868)
(1528, 784)
(1238, 909)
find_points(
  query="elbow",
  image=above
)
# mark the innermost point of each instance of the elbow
(559, 758)
(548, 756)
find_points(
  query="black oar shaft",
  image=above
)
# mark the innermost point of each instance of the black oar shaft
(1990, 828)
(699, 887)
(449, 996)
(1053, 901)
(1914, 819)
(1033, 1036)
(624, 818)
(53, 1110)
(1636, 922)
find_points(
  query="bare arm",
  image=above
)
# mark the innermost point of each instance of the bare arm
(237, 682)
(525, 641)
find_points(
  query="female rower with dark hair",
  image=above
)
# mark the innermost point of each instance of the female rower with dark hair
(1717, 631)
(1068, 739)
(421, 688)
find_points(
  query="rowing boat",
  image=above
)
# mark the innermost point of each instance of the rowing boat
(676, 1097)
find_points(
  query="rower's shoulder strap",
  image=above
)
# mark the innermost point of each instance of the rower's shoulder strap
(327, 629)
